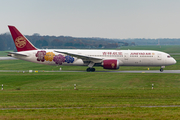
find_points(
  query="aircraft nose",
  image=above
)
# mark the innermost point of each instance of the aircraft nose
(171, 61)
(174, 61)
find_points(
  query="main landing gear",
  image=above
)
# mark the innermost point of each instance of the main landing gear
(90, 69)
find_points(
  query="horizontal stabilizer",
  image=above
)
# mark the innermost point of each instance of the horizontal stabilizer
(17, 54)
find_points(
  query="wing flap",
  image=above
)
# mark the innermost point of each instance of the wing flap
(83, 57)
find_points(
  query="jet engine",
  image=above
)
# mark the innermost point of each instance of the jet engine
(111, 64)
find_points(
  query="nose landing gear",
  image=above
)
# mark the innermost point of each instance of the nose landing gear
(161, 69)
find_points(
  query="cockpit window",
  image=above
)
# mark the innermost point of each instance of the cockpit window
(168, 56)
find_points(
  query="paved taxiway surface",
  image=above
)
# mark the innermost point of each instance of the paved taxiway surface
(7, 58)
(146, 71)
(140, 71)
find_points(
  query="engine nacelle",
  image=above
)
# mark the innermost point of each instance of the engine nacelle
(111, 64)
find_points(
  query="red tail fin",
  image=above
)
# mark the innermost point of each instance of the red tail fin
(21, 42)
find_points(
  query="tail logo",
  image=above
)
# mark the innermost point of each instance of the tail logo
(20, 42)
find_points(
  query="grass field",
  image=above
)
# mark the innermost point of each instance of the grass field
(4, 53)
(99, 95)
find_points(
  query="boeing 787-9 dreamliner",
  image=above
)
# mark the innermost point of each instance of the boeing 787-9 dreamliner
(108, 59)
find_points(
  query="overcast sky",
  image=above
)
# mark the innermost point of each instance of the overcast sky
(93, 18)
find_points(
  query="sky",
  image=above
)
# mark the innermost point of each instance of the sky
(119, 19)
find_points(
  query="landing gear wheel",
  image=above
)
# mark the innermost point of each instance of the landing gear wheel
(161, 70)
(90, 69)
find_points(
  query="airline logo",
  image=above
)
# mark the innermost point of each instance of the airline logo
(112, 53)
(20, 42)
(142, 53)
(112, 65)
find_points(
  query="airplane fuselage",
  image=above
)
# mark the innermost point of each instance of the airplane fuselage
(126, 57)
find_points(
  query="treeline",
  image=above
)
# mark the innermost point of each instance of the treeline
(60, 42)
(68, 42)
(160, 41)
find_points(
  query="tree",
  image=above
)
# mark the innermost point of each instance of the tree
(36, 34)
(100, 45)
(133, 44)
(41, 43)
(2, 45)
(56, 42)
(44, 43)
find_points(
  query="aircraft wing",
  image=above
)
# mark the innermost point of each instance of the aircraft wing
(81, 56)
(17, 54)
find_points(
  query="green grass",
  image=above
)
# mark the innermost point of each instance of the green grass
(102, 95)
(99, 95)
(94, 113)
(4, 53)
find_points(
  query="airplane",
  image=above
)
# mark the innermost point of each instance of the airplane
(108, 59)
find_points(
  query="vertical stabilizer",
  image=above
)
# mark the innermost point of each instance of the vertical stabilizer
(20, 41)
